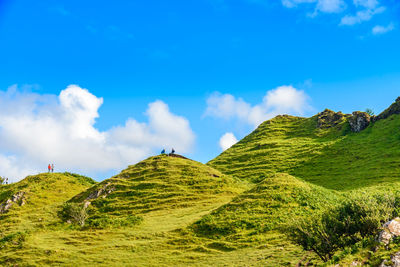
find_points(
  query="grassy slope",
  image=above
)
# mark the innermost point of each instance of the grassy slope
(172, 194)
(334, 158)
(163, 183)
(169, 193)
(256, 217)
(45, 193)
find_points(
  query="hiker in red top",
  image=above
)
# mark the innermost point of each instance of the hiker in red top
(49, 167)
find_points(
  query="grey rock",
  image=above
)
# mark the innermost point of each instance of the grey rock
(103, 191)
(390, 230)
(18, 198)
(359, 121)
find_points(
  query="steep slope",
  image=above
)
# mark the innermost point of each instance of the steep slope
(327, 154)
(160, 183)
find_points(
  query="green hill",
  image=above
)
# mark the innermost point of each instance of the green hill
(159, 183)
(233, 211)
(34, 200)
(31, 205)
(256, 217)
(327, 154)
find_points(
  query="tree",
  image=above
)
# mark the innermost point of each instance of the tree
(370, 112)
(75, 212)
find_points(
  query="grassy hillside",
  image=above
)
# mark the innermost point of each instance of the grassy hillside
(36, 211)
(257, 217)
(234, 211)
(42, 195)
(159, 183)
(167, 193)
(332, 157)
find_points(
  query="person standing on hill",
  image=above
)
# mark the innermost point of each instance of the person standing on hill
(52, 167)
(173, 151)
(49, 167)
(163, 151)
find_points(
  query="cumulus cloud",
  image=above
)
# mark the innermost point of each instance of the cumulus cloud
(378, 29)
(39, 129)
(227, 140)
(282, 100)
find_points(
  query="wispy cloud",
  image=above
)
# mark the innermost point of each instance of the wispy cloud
(351, 12)
(378, 29)
(366, 9)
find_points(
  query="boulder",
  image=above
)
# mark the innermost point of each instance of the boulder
(390, 230)
(359, 121)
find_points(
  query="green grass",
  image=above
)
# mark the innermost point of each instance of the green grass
(334, 158)
(161, 183)
(168, 193)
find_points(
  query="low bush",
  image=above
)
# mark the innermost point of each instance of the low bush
(356, 218)
(74, 212)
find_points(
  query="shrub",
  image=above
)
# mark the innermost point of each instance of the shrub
(75, 212)
(370, 112)
(353, 220)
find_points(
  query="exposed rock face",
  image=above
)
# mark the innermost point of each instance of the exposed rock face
(359, 121)
(393, 109)
(395, 259)
(18, 198)
(390, 230)
(329, 118)
(103, 191)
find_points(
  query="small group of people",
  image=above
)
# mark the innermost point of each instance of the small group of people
(172, 151)
(50, 168)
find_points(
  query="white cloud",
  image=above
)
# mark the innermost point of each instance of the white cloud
(331, 6)
(360, 10)
(227, 140)
(282, 100)
(39, 129)
(378, 29)
(362, 15)
(325, 6)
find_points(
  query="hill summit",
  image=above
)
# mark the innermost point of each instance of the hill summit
(322, 149)
(158, 183)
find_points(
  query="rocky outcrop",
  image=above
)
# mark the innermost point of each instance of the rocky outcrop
(359, 121)
(101, 192)
(393, 109)
(390, 230)
(18, 198)
(395, 261)
(329, 118)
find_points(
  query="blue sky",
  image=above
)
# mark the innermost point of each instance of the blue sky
(339, 54)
